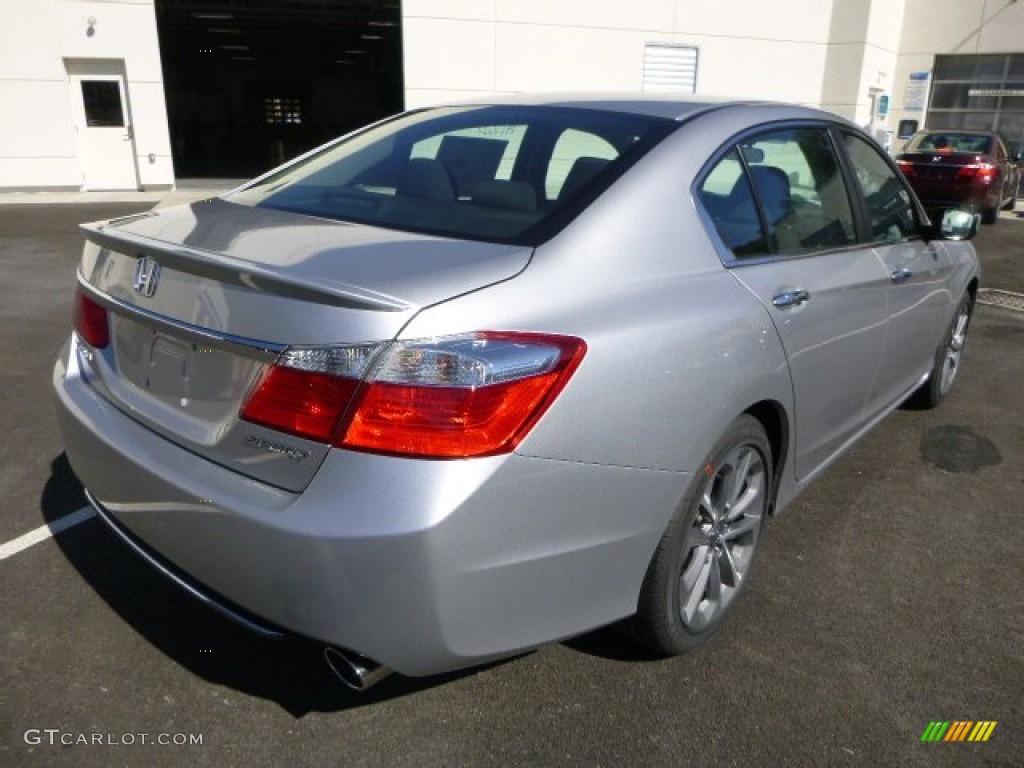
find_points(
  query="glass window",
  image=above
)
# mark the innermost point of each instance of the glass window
(482, 173)
(972, 67)
(102, 102)
(574, 145)
(729, 200)
(890, 205)
(800, 189)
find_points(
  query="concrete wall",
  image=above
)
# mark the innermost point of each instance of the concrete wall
(38, 138)
(820, 52)
(933, 27)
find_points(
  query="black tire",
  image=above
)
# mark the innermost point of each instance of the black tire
(1011, 202)
(947, 358)
(708, 543)
(990, 215)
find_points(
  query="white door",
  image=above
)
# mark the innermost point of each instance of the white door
(106, 145)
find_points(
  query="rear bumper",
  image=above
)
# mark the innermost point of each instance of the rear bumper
(423, 566)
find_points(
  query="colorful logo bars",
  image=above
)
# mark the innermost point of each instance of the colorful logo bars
(958, 730)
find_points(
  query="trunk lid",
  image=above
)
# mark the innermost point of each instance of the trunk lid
(203, 298)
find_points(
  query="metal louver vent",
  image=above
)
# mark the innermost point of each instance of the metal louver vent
(670, 68)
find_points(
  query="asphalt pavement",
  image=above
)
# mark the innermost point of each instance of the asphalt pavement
(887, 597)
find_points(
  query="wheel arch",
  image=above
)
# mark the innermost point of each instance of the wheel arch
(772, 416)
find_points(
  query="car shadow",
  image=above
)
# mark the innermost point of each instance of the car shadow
(289, 671)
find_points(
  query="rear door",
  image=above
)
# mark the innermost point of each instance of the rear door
(784, 213)
(917, 271)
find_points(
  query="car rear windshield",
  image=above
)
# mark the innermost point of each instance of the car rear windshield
(971, 143)
(495, 173)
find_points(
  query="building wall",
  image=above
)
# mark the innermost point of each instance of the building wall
(819, 52)
(933, 27)
(39, 144)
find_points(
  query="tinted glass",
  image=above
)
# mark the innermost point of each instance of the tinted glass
(948, 141)
(800, 189)
(890, 205)
(729, 200)
(506, 174)
(102, 102)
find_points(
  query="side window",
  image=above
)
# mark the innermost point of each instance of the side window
(890, 206)
(800, 189)
(727, 197)
(577, 156)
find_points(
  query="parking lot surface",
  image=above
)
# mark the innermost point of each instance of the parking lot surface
(887, 597)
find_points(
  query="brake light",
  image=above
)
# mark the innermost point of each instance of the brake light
(91, 322)
(306, 391)
(454, 397)
(906, 167)
(983, 172)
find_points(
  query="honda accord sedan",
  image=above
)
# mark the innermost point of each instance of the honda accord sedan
(485, 376)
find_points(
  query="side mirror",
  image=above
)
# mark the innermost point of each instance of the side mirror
(959, 225)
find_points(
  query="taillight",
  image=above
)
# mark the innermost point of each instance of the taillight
(453, 397)
(906, 167)
(91, 321)
(983, 172)
(306, 391)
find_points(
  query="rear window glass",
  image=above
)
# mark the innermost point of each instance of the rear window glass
(950, 142)
(502, 174)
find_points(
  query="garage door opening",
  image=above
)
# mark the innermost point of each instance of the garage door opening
(252, 84)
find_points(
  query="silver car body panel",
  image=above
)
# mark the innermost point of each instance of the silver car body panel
(433, 565)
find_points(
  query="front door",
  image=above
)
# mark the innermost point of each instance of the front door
(918, 274)
(106, 145)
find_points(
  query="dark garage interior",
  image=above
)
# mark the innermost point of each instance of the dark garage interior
(252, 83)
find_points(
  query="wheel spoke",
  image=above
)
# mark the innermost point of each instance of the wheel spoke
(692, 573)
(730, 573)
(740, 474)
(714, 588)
(691, 598)
(749, 523)
(697, 536)
(745, 504)
(707, 505)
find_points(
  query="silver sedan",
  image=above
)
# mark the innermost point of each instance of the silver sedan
(482, 377)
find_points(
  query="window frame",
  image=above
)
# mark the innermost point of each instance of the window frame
(863, 213)
(858, 204)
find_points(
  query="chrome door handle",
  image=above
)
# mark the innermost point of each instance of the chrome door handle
(790, 299)
(900, 275)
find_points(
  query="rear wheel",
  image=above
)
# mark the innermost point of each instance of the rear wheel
(706, 554)
(947, 358)
(990, 215)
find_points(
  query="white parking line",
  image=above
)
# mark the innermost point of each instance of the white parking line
(43, 532)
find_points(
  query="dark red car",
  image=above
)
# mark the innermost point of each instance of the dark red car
(962, 169)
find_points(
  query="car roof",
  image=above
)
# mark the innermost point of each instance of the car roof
(674, 106)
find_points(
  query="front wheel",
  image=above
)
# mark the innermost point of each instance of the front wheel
(706, 554)
(947, 358)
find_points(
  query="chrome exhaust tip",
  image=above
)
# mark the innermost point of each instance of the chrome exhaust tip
(353, 670)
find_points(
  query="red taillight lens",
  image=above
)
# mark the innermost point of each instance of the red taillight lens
(307, 390)
(299, 402)
(467, 396)
(455, 397)
(91, 321)
(907, 168)
(983, 172)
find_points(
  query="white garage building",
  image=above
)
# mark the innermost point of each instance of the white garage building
(127, 94)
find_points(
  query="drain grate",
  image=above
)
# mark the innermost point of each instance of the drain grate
(996, 298)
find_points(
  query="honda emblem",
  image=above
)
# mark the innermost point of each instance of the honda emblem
(147, 273)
